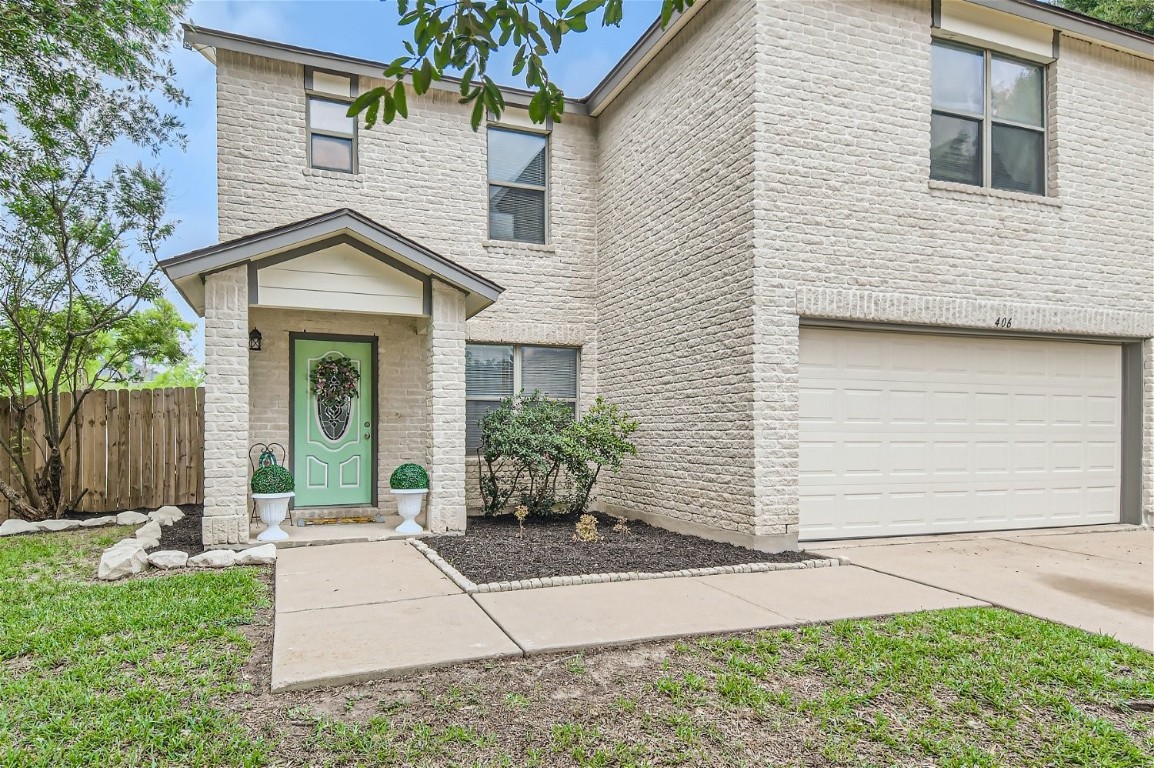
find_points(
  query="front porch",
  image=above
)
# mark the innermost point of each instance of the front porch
(339, 533)
(392, 313)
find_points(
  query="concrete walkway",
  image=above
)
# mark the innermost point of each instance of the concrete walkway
(1099, 581)
(353, 612)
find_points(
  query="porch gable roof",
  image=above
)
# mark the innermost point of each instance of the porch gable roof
(188, 270)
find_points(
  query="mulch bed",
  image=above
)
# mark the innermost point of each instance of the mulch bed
(185, 534)
(492, 551)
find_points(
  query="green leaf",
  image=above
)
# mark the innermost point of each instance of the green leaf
(578, 23)
(467, 78)
(371, 114)
(362, 102)
(390, 110)
(666, 12)
(400, 100)
(478, 114)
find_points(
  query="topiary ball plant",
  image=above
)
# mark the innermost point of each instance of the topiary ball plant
(272, 479)
(409, 477)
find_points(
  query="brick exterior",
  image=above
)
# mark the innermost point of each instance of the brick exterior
(770, 166)
(445, 357)
(226, 379)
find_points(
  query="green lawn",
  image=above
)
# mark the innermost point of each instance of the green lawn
(156, 671)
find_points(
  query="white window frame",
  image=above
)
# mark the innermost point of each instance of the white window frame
(987, 120)
(543, 189)
(310, 95)
(517, 387)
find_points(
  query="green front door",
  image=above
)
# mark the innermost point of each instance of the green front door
(332, 442)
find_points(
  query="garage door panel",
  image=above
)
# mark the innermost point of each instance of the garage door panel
(905, 433)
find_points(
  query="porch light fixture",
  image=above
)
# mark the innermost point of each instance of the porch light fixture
(254, 340)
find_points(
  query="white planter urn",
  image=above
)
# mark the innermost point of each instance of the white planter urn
(272, 508)
(409, 506)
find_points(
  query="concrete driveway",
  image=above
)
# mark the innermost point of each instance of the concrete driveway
(1102, 582)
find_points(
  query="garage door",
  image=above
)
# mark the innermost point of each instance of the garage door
(905, 433)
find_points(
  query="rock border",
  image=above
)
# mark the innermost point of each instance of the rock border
(472, 588)
(128, 556)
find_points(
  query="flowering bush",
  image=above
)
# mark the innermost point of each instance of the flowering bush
(334, 379)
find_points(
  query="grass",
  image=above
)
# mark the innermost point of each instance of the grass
(119, 674)
(152, 671)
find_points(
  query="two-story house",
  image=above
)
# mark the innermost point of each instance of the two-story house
(859, 269)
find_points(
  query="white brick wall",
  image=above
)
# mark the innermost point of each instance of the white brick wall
(676, 272)
(226, 407)
(445, 355)
(771, 163)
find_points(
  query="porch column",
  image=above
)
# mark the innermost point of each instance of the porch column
(445, 356)
(226, 407)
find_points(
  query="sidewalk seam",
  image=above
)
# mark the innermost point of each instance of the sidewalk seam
(500, 626)
(794, 619)
(931, 586)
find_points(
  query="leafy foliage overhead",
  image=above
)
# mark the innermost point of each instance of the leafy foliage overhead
(81, 295)
(1137, 15)
(462, 35)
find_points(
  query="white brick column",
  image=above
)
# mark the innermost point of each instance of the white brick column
(226, 407)
(445, 356)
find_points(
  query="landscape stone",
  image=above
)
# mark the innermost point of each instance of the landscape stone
(14, 526)
(166, 515)
(122, 559)
(150, 530)
(93, 522)
(57, 525)
(262, 555)
(168, 558)
(131, 518)
(214, 558)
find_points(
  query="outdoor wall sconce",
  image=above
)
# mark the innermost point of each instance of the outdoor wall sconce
(254, 340)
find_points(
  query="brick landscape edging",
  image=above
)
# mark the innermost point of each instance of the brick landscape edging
(471, 587)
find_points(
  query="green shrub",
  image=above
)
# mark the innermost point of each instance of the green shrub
(408, 477)
(272, 479)
(533, 450)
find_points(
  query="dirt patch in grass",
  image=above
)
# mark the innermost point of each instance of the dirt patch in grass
(953, 688)
(493, 549)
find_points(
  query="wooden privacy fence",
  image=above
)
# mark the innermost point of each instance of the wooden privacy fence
(135, 448)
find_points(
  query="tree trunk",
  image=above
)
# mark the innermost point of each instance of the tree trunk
(49, 484)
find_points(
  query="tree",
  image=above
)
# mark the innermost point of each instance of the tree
(1137, 15)
(462, 35)
(80, 290)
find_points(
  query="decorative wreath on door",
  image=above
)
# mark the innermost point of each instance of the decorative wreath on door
(335, 382)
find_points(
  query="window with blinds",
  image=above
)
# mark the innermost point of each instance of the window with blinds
(331, 134)
(496, 371)
(518, 174)
(988, 123)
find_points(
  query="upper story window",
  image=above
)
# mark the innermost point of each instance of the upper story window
(518, 175)
(497, 371)
(988, 126)
(331, 135)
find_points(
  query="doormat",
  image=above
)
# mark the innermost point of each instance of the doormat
(339, 520)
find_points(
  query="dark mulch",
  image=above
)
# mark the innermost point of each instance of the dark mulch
(492, 551)
(184, 535)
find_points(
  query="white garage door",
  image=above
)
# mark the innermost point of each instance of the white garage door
(905, 433)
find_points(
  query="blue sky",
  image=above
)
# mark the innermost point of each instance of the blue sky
(365, 28)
